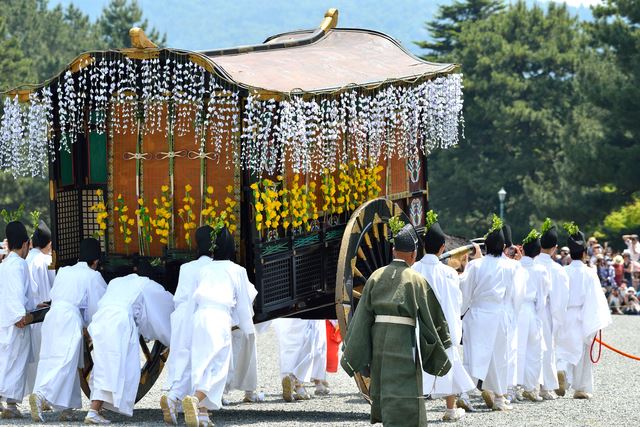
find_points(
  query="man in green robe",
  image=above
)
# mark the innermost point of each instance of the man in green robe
(382, 337)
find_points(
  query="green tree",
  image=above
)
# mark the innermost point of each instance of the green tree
(117, 19)
(610, 83)
(447, 24)
(518, 65)
(13, 64)
(50, 38)
(33, 193)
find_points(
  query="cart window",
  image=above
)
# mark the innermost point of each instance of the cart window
(66, 167)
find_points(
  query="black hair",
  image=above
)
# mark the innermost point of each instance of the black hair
(144, 268)
(494, 243)
(225, 246)
(432, 246)
(531, 250)
(16, 234)
(577, 255)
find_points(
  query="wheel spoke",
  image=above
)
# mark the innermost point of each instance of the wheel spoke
(145, 349)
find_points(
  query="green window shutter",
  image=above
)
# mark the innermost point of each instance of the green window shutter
(97, 152)
(97, 158)
(66, 168)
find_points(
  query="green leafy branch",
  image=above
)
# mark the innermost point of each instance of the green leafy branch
(533, 235)
(431, 219)
(571, 228)
(8, 216)
(546, 225)
(395, 224)
(496, 224)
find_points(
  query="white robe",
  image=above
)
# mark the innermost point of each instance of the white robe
(178, 383)
(243, 372)
(488, 292)
(445, 283)
(74, 300)
(530, 342)
(41, 282)
(15, 343)
(513, 322)
(301, 343)
(587, 313)
(219, 301)
(132, 306)
(553, 316)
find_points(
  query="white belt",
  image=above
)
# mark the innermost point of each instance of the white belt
(397, 320)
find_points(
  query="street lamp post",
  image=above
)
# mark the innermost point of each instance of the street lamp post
(502, 194)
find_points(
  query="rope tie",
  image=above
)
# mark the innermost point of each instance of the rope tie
(169, 154)
(598, 339)
(192, 155)
(136, 156)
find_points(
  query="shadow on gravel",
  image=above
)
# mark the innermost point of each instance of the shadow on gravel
(146, 416)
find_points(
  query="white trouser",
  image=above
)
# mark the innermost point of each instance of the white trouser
(529, 348)
(580, 375)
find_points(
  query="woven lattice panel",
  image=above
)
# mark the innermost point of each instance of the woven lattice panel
(331, 269)
(68, 226)
(276, 281)
(89, 225)
(308, 273)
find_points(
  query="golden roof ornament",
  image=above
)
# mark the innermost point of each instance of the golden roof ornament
(139, 39)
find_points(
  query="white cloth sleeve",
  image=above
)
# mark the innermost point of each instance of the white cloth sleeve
(245, 294)
(95, 290)
(559, 298)
(153, 313)
(12, 294)
(466, 287)
(595, 311)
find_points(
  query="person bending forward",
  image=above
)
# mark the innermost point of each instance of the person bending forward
(133, 305)
(74, 300)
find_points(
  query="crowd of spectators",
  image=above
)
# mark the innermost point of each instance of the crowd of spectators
(619, 273)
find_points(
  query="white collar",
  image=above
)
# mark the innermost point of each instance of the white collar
(526, 260)
(544, 257)
(430, 259)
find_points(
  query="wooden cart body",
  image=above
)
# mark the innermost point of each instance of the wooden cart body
(125, 128)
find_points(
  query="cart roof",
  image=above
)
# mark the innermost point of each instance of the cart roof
(339, 58)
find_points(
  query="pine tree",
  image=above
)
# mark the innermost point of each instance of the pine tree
(13, 64)
(447, 24)
(518, 66)
(118, 17)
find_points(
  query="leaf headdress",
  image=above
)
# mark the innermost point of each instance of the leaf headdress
(533, 235)
(431, 219)
(395, 224)
(571, 228)
(496, 224)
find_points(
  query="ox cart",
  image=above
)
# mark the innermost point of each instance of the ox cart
(304, 145)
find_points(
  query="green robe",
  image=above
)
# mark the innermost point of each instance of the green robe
(388, 350)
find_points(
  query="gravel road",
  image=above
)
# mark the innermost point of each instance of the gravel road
(615, 402)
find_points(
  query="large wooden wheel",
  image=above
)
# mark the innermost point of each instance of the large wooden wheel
(154, 360)
(363, 250)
